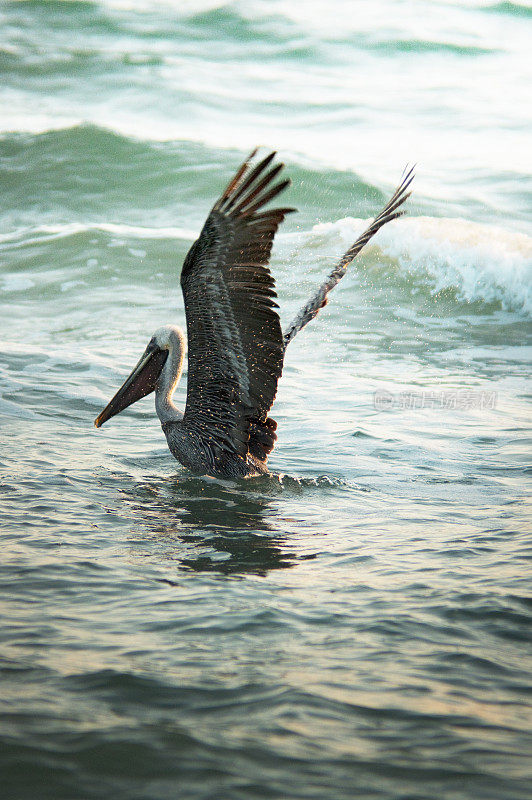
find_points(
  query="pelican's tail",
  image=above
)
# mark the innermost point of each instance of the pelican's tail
(262, 438)
(389, 212)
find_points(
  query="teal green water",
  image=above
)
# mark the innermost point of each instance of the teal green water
(357, 626)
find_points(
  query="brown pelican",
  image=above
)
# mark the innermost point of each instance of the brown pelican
(235, 343)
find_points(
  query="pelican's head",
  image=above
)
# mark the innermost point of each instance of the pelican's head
(145, 378)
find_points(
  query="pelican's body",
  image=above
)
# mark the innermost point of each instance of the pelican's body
(188, 443)
(235, 343)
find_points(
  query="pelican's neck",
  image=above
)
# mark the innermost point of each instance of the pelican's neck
(169, 378)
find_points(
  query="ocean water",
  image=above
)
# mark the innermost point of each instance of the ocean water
(358, 625)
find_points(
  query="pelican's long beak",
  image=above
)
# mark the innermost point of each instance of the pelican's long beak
(141, 382)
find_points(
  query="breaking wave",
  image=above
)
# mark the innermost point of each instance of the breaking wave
(479, 263)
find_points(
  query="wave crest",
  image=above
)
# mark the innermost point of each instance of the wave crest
(480, 263)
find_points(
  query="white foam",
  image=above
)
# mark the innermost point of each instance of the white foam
(71, 285)
(479, 262)
(16, 283)
(33, 233)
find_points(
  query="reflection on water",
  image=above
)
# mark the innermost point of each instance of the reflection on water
(212, 526)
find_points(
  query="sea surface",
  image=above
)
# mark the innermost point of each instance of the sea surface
(357, 625)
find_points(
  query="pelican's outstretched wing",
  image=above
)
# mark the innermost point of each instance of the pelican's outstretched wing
(316, 302)
(235, 342)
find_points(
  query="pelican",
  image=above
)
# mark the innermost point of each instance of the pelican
(236, 345)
